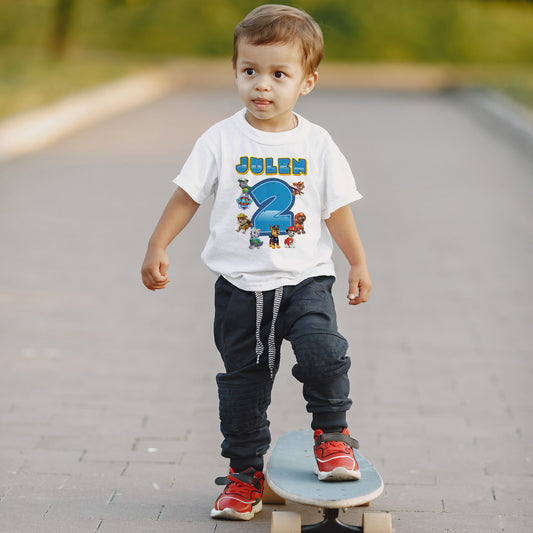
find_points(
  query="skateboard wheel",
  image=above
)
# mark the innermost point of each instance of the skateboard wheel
(377, 523)
(285, 522)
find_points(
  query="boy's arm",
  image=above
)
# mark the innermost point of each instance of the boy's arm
(177, 214)
(341, 225)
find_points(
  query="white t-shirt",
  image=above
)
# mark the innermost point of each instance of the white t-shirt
(272, 193)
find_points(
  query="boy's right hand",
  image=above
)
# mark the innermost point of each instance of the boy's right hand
(154, 268)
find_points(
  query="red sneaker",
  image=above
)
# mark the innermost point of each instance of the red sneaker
(241, 499)
(334, 456)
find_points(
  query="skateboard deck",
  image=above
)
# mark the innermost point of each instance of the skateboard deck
(290, 475)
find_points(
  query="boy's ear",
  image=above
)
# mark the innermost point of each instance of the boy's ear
(309, 83)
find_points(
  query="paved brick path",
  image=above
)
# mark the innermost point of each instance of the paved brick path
(108, 411)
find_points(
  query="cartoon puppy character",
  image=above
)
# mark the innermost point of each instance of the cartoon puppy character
(243, 184)
(299, 220)
(289, 241)
(255, 241)
(244, 222)
(298, 188)
(274, 237)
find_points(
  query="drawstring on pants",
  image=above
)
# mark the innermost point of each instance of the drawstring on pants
(259, 348)
(258, 318)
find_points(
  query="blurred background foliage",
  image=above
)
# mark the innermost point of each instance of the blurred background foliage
(50, 47)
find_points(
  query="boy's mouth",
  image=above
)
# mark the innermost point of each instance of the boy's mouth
(261, 103)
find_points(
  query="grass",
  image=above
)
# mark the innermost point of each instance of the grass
(516, 81)
(480, 43)
(29, 78)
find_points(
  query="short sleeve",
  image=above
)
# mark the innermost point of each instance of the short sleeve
(199, 174)
(339, 182)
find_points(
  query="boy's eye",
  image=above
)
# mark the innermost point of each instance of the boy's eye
(279, 75)
(249, 71)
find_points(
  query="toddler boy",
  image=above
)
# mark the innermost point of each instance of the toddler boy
(275, 177)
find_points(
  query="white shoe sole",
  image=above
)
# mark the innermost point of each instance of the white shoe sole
(338, 474)
(232, 514)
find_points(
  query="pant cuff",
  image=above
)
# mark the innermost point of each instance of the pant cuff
(242, 463)
(329, 422)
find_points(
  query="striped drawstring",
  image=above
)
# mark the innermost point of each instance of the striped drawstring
(259, 348)
(258, 318)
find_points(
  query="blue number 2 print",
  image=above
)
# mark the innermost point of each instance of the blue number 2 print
(274, 199)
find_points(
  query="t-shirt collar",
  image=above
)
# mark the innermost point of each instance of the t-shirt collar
(269, 137)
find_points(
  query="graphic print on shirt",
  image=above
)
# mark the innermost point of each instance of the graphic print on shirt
(255, 241)
(244, 200)
(298, 188)
(289, 241)
(244, 222)
(299, 224)
(273, 199)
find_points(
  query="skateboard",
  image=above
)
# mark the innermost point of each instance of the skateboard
(290, 476)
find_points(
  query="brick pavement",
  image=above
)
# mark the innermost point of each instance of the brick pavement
(108, 409)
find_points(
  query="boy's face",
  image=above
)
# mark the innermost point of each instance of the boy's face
(270, 78)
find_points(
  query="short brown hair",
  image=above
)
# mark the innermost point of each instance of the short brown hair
(274, 23)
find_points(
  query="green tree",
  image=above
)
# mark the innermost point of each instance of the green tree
(61, 26)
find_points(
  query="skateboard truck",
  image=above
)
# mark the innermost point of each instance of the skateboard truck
(330, 524)
(283, 522)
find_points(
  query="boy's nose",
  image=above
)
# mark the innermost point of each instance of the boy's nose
(261, 83)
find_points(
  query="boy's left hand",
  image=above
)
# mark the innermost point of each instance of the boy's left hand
(360, 285)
